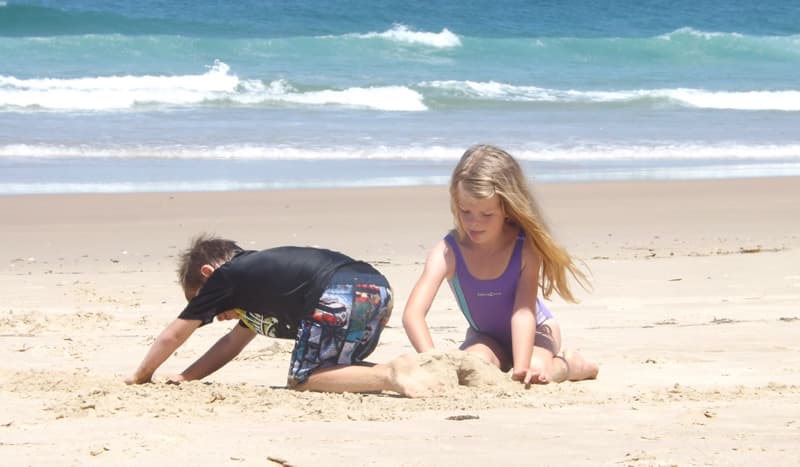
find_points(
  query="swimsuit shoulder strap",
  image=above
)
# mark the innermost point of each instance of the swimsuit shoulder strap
(453, 243)
(515, 263)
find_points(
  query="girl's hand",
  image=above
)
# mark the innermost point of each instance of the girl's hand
(530, 375)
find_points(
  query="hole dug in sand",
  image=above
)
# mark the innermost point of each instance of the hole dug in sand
(456, 367)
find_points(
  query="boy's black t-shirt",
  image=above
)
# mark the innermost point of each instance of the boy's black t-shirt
(284, 283)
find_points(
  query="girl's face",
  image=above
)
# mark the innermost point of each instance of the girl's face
(482, 219)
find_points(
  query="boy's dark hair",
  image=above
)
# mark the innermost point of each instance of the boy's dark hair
(204, 249)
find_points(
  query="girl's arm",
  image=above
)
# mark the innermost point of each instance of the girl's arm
(223, 351)
(421, 298)
(523, 319)
(172, 337)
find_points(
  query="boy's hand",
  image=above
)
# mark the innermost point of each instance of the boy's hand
(175, 379)
(134, 380)
(226, 315)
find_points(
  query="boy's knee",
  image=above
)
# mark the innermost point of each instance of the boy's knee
(294, 384)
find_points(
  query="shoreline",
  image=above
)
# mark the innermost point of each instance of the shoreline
(585, 216)
(89, 175)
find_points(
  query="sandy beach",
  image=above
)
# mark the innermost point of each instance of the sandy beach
(694, 319)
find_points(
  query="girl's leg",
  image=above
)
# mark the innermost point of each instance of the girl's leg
(567, 365)
(545, 353)
(578, 368)
(486, 348)
(557, 366)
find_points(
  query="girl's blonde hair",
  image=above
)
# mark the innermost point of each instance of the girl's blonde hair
(485, 171)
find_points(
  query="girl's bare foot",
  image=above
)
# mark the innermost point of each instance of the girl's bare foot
(578, 368)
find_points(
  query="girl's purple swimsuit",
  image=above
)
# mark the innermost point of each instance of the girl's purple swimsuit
(489, 304)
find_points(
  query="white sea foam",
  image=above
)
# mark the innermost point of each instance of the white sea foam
(697, 33)
(783, 100)
(492, 90)
(400, 33)
(678, 152)
(217, 85)
(211, 185)
(747, 100)
(223, 152)
(391, 98)
(273, 167)
(116, 92)
(551, 153)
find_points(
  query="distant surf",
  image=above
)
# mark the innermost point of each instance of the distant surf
(218, 86)
(150, 95)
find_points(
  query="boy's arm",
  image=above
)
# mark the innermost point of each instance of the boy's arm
(223, 351)
(172, 337)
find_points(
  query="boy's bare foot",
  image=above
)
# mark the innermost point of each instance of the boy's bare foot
(578, 368)
(410, 379)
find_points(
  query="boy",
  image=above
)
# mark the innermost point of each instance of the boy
(332, 305)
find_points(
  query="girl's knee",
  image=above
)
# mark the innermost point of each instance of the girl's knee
(485, 353)
(548, 336)
(486, 348)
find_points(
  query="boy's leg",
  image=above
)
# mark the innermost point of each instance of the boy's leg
(331, 346)
(402, 375)
(347, 378)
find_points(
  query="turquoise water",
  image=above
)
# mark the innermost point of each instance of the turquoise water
(151, 96)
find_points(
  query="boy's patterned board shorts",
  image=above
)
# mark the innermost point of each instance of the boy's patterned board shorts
(345, 326)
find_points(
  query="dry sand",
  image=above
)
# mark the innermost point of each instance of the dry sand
(694, 319)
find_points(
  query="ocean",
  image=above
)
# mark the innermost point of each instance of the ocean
(147, 96)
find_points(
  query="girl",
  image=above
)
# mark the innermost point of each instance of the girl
(495, 260)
